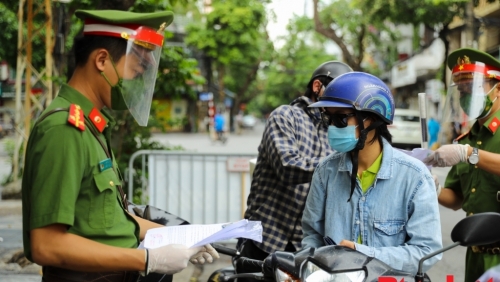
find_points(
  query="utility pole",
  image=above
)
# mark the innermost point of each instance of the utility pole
(27, 72)
(470, 27)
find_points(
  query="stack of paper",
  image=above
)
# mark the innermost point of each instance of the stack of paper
(418, 153)
(199, 235)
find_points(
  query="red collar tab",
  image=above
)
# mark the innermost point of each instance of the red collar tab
(494, 124)
(76, 117)
(97, 119)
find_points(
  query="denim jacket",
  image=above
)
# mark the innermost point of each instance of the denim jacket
(397, 218)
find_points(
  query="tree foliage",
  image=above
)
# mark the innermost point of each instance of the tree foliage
(286, 76)
(347, 26)
(233, 37)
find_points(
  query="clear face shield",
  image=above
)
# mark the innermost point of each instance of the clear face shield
(468, 94)
(139, 74)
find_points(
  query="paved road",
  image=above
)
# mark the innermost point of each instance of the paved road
(247, 142)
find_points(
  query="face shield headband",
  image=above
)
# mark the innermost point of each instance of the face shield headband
(135, 88)
(468, 95)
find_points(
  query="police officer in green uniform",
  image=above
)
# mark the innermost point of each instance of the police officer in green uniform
(473, 182)
(75, 219)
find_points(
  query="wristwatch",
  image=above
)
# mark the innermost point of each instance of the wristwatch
(474, 157)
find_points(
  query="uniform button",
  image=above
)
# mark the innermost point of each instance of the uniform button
(475, 166)
(111, 183)
(479, 142)
(473, 190)
(357, 221)
(471, 213)
(363, 199)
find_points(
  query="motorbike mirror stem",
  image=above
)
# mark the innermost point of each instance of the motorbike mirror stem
(420, 275)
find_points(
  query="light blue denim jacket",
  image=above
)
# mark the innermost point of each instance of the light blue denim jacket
(397, 218)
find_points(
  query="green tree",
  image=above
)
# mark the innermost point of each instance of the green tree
(434, 14)
(347, 22)
(285, 77)
(234, 39)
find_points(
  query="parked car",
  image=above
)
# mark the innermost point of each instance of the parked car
(405, 129)
(248, 121)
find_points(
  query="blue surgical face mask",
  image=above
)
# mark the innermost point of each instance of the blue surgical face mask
(342, 139)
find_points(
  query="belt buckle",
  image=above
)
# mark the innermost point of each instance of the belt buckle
(495, 250)
(476, 249)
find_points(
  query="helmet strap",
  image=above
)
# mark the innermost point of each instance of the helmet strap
(359, 146)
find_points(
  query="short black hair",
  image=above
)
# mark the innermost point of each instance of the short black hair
(323, 79)
(85, 45)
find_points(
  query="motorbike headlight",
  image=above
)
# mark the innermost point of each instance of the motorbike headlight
(313, 273)
(282, 276)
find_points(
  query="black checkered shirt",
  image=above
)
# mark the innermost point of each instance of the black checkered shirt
(292, 145)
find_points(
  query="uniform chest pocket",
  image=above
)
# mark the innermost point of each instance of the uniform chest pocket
(389, 232)
(103, 202)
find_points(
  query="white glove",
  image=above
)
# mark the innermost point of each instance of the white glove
(207, 253)
(448, 155)
(438, 186)
(169, 259)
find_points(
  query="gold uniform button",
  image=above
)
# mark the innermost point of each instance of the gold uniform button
(475, 166)
(111, 183)
(473, 190)
(479, 142)
(471, 213)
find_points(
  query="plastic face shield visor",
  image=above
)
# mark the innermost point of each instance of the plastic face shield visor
(467, 94)
(140, 70)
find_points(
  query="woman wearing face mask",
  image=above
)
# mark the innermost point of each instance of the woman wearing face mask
(369, 196)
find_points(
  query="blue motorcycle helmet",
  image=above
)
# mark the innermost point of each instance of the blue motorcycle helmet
(368, 96)
(361, 91)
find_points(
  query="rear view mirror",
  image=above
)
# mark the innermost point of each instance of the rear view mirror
(478, 229)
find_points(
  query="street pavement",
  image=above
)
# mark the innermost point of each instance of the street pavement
(10, 212)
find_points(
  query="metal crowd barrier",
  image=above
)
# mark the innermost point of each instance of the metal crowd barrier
(199, 187)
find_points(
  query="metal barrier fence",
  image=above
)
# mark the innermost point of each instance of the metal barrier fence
(199, 187)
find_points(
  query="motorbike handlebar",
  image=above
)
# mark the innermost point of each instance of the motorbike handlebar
(226, 251)
(250, 265)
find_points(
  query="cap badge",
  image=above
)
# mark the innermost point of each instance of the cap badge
(463, 60)
(125, 35)
(162, 28)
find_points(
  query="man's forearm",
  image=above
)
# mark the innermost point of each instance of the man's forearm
(450, 199)
(53, 246)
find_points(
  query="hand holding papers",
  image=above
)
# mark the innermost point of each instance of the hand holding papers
(418, 153)
(200, 235)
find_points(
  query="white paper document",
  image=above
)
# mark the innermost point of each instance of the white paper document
(418, 153)
(198, 235)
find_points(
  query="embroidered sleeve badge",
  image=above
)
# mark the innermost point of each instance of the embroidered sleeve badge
(76, 117)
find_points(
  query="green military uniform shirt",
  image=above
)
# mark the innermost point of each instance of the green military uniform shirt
(63, 182)
(479, 188)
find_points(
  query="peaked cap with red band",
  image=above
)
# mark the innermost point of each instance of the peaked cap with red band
(467, 60)
(141, 27)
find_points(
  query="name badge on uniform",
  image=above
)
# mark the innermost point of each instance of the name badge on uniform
(105, 164)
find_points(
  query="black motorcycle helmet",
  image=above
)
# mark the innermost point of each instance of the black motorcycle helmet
(330, 70)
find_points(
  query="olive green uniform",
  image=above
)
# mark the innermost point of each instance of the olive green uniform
(479, 189)
(64, 182)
